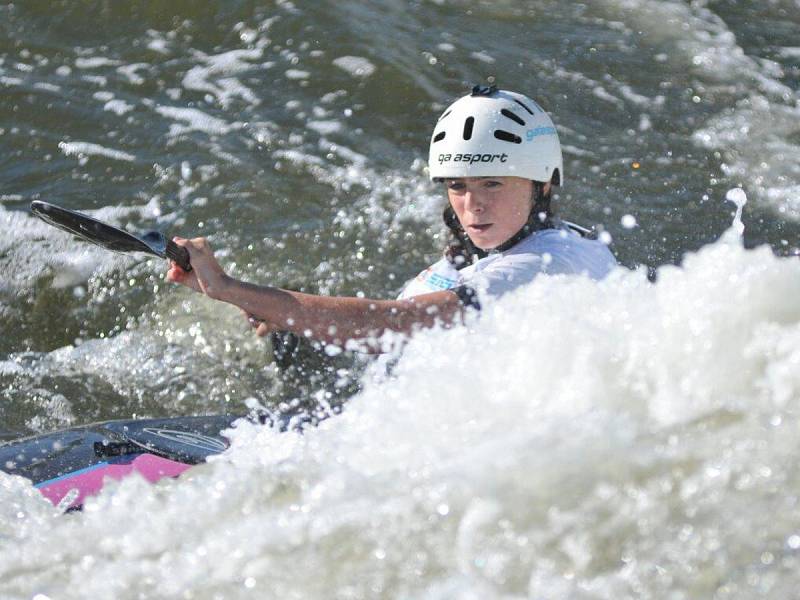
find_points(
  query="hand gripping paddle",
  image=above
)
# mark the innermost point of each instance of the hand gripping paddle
(109, 237)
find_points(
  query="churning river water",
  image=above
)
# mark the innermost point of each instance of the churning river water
(636, 438)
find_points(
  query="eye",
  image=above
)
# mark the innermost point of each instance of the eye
(492, 184)
(456, 186)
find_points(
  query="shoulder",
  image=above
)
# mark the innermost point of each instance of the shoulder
(569, 252)
(557, 251)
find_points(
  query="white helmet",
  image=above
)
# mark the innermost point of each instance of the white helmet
(492, 133)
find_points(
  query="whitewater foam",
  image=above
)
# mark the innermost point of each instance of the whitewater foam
(84, 150)
(630, 404)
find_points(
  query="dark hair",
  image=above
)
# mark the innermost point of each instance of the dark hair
(460, 250)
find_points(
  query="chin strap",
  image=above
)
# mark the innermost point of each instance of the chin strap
(538, 219)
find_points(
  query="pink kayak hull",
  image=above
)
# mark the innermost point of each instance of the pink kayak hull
(89, 481)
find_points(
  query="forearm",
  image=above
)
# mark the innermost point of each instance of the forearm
(339, 319)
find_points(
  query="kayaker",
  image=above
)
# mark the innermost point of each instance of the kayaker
(498, 156)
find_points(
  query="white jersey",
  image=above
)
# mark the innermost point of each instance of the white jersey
(559, 251)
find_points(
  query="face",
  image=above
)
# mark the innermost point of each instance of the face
(490, 209)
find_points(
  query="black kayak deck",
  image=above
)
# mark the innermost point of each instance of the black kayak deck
(189, 440)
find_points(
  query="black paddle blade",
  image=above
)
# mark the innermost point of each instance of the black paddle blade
(108, 236)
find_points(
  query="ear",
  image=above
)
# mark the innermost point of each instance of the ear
(546, 188)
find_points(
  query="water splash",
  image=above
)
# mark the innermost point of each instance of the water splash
(736, 231)
(655, 417)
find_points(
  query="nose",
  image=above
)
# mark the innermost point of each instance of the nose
(473, 202)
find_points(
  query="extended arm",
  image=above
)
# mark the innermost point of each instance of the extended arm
(337, 319)
(325, 318)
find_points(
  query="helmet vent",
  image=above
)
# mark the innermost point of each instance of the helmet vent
(445, 114)
(523, 106)
(439, 136)
(507, 136)
(468, 125)
(512, 116)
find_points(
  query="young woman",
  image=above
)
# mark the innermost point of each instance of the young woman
(498, 154)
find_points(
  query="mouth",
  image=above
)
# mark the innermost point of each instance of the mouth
(478, 228)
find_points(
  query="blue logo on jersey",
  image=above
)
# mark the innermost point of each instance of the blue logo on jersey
(440, 283)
